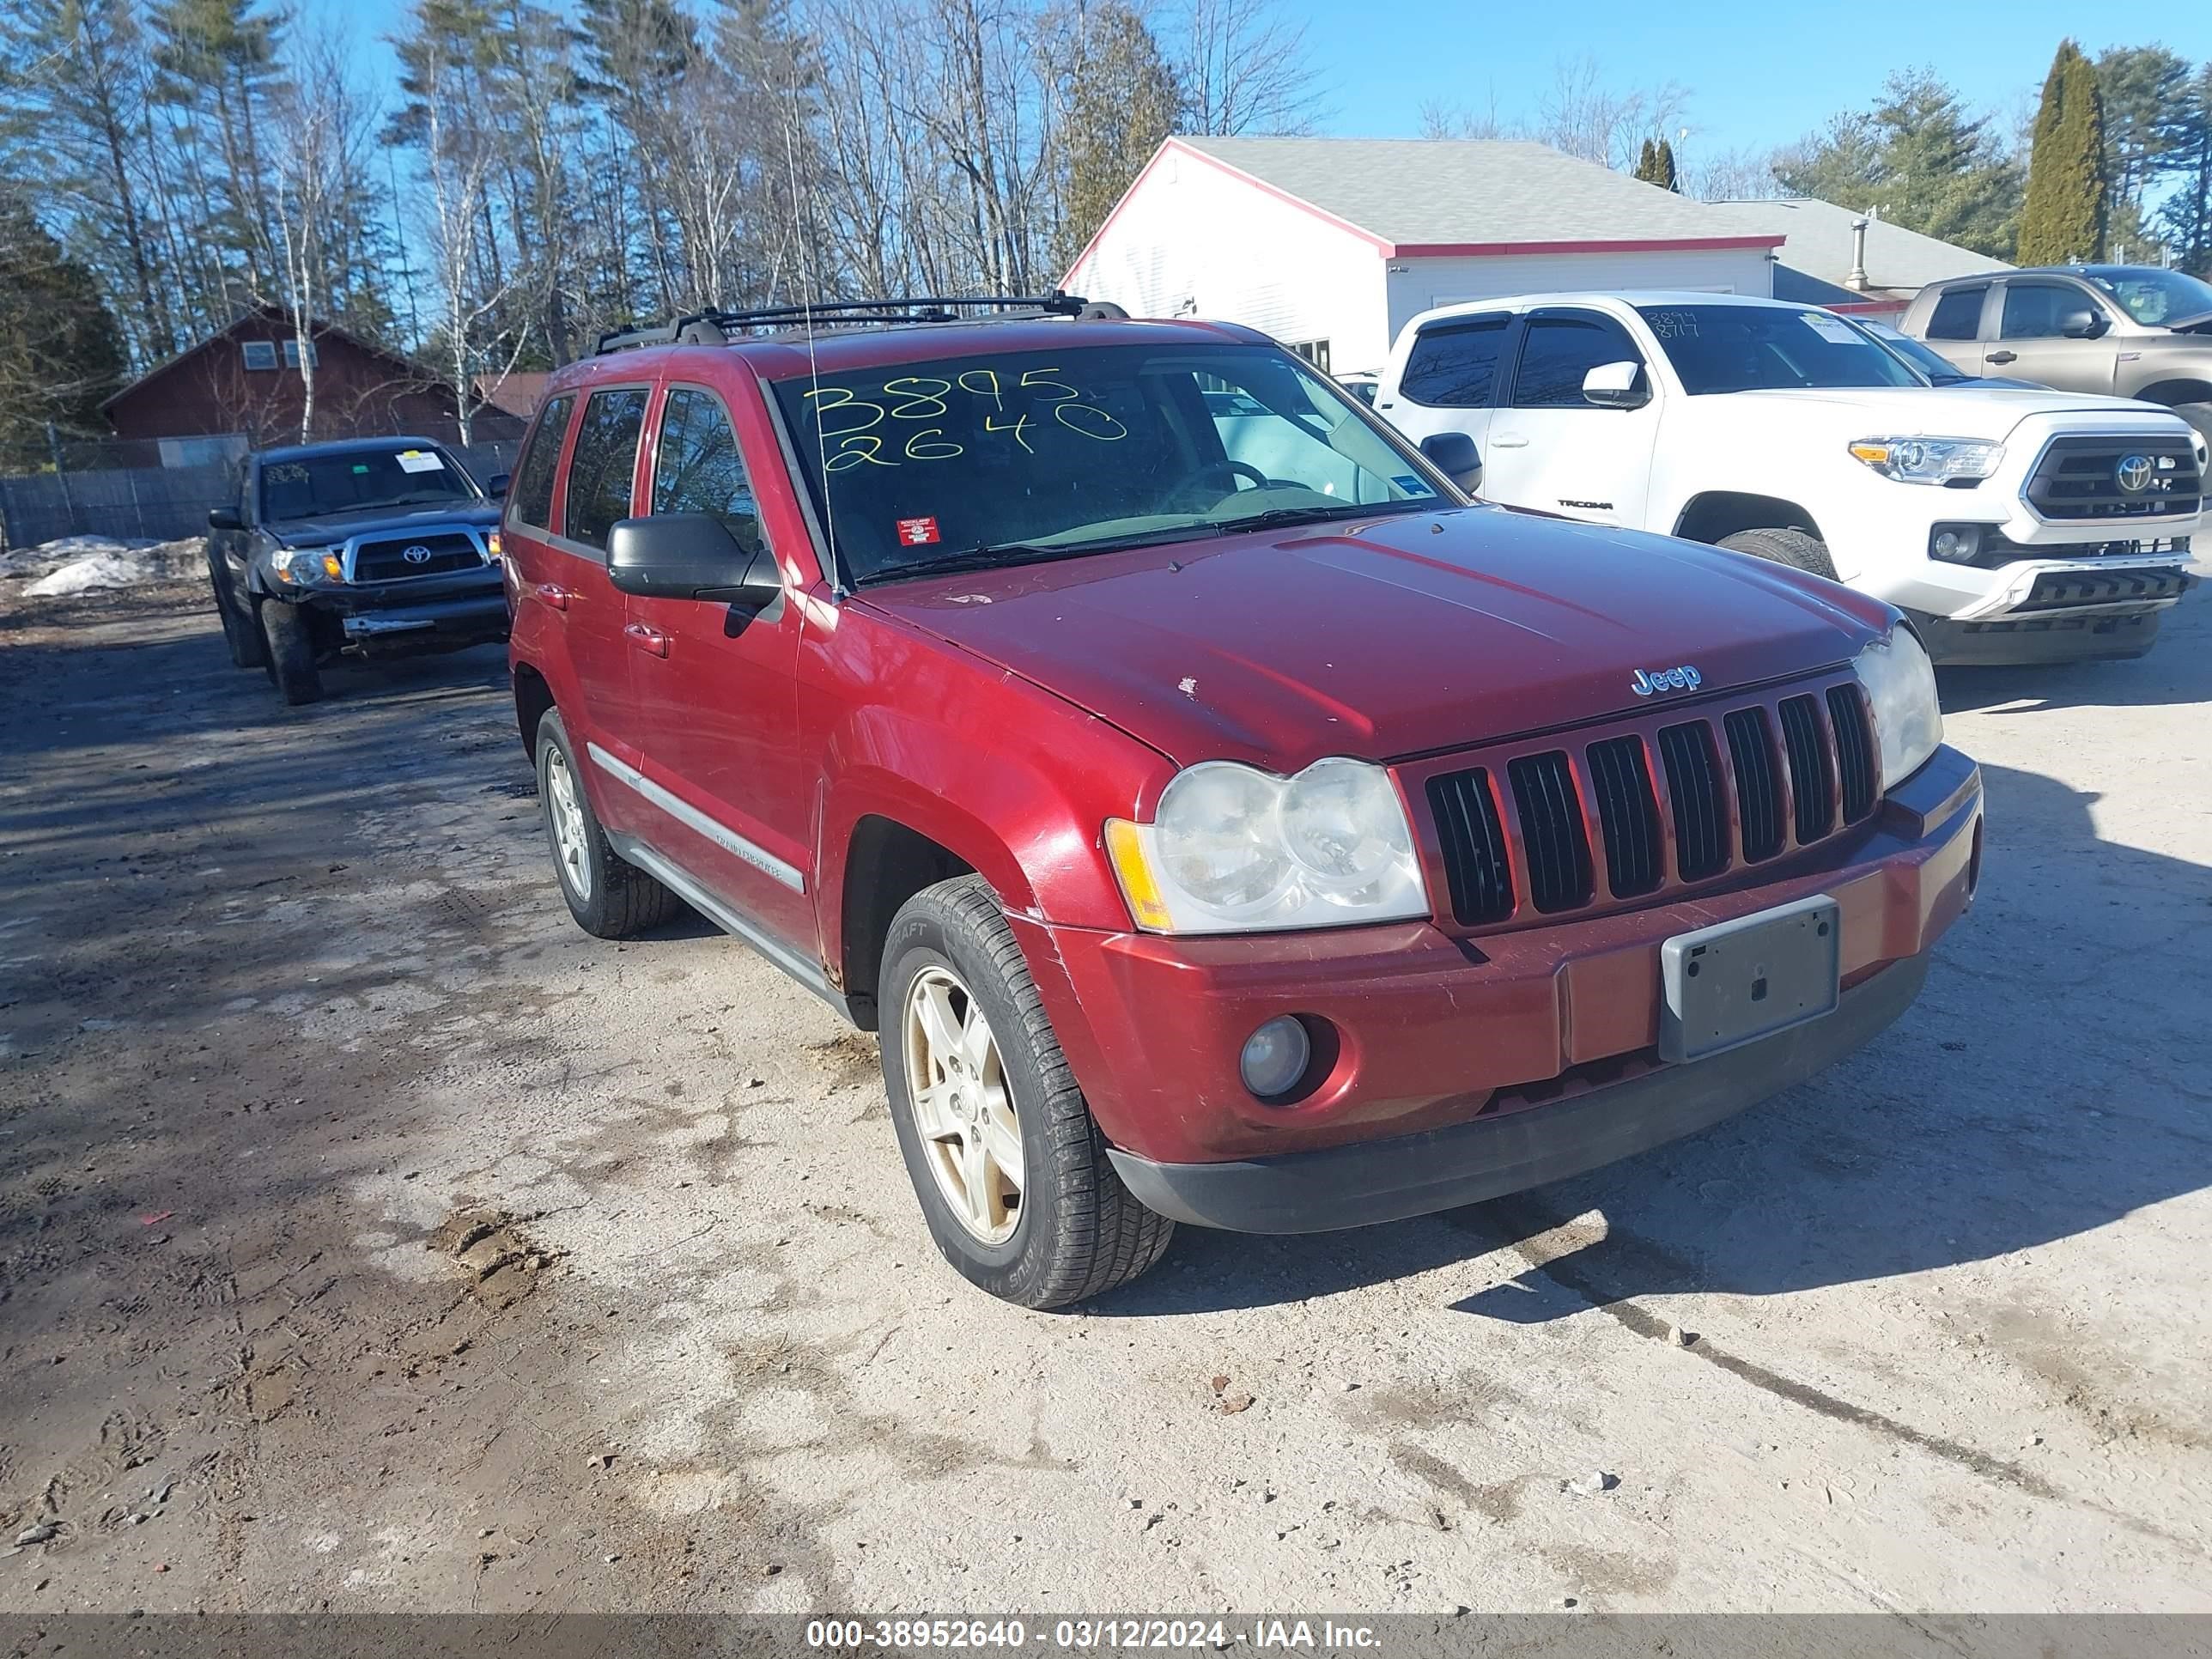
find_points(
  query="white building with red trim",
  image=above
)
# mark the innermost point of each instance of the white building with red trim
(1331, 244)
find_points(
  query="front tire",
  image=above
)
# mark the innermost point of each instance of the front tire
(289, 634)
(1791, 547)
(1011, 1169)
(609, 896)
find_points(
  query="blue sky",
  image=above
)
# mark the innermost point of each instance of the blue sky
(1758, 74)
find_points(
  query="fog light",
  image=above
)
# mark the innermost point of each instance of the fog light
(1275, 1057)
(1956, 544)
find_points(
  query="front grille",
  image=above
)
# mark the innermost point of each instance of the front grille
(1757, 782)
(2086, 478)
(1474, 841)
(1808, 768)
(1855, 759)
(387, 560)
(1694, 784)
(1621, 779)
(1551, 831)
(1520, 834)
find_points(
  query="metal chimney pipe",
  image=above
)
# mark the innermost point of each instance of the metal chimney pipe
(1856, 279)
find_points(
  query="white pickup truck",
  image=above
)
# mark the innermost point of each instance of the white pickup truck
(2012, 524)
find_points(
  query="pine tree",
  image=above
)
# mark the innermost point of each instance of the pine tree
(2062, 219)
(60, 351)
(1122, 99)
(1647, 163)
(1662, 169)
(2186, 217)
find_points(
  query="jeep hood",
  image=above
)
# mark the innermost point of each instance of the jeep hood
(336, 526)
(1950, 411)
(1383, 638)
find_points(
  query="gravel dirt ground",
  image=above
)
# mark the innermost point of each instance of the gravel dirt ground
(371, 1238)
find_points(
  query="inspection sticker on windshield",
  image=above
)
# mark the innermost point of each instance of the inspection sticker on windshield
(917, 532)
(420, 460)
(1834, 330)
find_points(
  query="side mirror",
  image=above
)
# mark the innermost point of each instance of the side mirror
(225, 518)
(2081, 324)
(690, 555)
(496, 486)
(1454, 454)
(1616, 386)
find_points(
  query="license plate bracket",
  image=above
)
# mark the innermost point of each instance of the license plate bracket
(1738, 982)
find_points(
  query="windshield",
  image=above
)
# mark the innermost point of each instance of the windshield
(1770, 348)
(350, 480)
(2153, 296)
(1929, 361)
(1021, 455)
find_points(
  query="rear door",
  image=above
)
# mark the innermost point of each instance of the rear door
(2031, 344)
(718, 691)
(1955, 326)
(1549, 446)
(1449, 379)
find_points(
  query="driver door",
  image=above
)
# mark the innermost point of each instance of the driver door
(1552, 449)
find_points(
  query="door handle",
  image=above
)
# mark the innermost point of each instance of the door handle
(1509, 441)
(2004, 356)
(553, 595)
(651, 641)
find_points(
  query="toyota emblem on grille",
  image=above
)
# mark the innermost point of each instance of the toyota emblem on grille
(2133, 474)
(1649, 681)
(419, 554)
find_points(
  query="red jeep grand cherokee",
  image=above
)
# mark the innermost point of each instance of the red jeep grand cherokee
(1216, 816)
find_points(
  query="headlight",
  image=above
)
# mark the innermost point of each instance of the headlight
(1900, 686)
(309, 564)
(1232, 849)
(1930, 460)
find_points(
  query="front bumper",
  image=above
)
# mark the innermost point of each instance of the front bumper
(1433, 1034)
(424, 613)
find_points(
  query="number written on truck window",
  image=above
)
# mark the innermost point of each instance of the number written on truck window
(698, 467)
(605, 456)
(531, 499)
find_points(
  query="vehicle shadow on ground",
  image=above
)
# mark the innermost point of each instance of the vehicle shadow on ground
(2178, 669)
(2050, 1081)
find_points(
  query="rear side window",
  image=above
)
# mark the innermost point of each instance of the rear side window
(605, 456)
(698, 467)
(1559, 351)
(531, 497)
(1455, 365)
(1958, 314)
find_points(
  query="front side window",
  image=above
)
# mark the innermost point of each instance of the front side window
(352, 480)
(1559, 351)
(1455, 365)
(2037, 310)
(1958, 314)
(604, 460)
(530, 498)
(2157, 298)
(1763, 348)
(697, 466)
(1025, 456)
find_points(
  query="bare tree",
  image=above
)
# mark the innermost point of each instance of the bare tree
(1440, 120)
(1589, 119)
(1735, 175)
(1244, 69)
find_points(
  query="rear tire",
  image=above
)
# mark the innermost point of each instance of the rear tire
(609, 896)
(1076, 1231)
(1791, 547)
(242, 634)
(289, 634)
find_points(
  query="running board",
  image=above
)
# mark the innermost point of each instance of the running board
(687, 887)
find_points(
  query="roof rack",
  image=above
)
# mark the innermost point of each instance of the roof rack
(719, 327)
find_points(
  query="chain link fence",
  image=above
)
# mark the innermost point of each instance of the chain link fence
(153, 489)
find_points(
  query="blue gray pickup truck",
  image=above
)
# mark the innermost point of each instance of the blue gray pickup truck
(370, 547)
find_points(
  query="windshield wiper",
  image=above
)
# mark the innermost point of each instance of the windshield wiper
(1285, 515)
(1002, 557)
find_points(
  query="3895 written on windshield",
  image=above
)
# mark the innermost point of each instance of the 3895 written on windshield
(984, 406)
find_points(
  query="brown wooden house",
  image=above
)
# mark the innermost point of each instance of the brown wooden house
(245, 381)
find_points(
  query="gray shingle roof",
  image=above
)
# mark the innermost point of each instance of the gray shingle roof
(1429, 190)
(1899, 261)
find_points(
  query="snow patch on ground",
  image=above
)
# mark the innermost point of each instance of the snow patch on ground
(82, 564)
